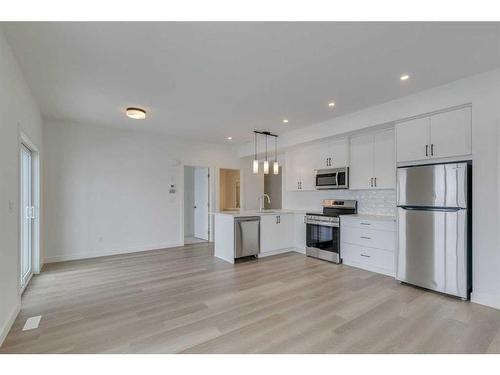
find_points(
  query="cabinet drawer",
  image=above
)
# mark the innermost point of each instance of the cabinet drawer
(388, 225)
(368, 237)
(373, 259)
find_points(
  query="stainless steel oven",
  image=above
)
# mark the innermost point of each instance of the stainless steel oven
(323, 237)
(333, 178)
(323, 229)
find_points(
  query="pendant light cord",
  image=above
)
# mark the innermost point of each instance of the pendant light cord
(275, 149)
(266, 147)
(255, 145)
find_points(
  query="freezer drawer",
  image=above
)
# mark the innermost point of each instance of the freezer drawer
(432, 249)
(440, 185)
(246, 236)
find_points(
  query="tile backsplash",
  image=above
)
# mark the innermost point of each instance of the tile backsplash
(371, 202)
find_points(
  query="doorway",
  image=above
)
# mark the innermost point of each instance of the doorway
(196, 204)
(29, 195)
(229, 189)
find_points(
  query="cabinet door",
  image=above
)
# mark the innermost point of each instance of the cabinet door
(361, 168)
(285, 231)
(384, 163)
(299, 231)
(413, 140)
(306, 168)
(340, 157)
(268, 233)
(291, 171)
(451, 133)
(321, 155)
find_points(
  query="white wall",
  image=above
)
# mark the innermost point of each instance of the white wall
(188, 201)
(107, 189)
(483, 93)
(18, 112)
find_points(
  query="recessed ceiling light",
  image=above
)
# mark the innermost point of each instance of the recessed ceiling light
(136, 113)
(404, 77)
(331, 104)
(285, 121)
(229, 138)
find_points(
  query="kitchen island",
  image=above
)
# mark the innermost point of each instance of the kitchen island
(280, 231)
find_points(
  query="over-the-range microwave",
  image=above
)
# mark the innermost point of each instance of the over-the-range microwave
(333, 178)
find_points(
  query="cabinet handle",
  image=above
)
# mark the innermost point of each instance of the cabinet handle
(375, 179)
(366, 238)
(432, 149)
(426, 150)
(366, 256)
(365, 223)
(371, 182)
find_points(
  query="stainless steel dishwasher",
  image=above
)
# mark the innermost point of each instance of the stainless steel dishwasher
(246, 236)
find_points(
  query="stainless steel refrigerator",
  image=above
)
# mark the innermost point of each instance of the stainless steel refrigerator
(434, 227)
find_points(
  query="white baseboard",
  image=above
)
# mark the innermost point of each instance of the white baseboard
(281, 251)
(4, 331)
(486, 299)
(76, 256)
(299, 250)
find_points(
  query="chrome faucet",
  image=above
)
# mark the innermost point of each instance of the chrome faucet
(261, 201)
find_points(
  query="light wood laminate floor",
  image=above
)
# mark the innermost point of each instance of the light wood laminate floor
(183, 300)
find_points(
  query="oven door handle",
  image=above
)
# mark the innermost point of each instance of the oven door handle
(323, 224)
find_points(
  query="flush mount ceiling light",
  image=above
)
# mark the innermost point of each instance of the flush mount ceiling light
(229, 138)
(331, 104)
(404, 77)
(285, 121)
(136, 113)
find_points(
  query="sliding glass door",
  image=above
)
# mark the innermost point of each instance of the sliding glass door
(27, 215)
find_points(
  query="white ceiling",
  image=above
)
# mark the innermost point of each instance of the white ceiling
(213, 80)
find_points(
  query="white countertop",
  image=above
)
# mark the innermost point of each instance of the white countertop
(241, 213)
(372, 217)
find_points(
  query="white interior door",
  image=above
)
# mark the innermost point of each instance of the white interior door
(27, 214)
(201, 203)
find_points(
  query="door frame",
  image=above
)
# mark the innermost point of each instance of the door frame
(211, 200)
(25, 141)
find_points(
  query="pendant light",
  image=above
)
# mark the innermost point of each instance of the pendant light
(276, 167)
(255, 161)
(266, 162)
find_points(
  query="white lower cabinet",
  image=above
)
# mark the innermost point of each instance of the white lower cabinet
(299, 232)
(368, 243)
(276, 232)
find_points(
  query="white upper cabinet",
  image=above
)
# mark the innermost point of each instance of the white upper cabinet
(330, 154)
(373, 161)
(412, 139)
(384, 160)
(442, 135)
(451, 133)
(361, 168)
(301, 163)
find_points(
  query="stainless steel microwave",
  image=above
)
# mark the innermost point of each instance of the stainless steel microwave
(333, 178)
